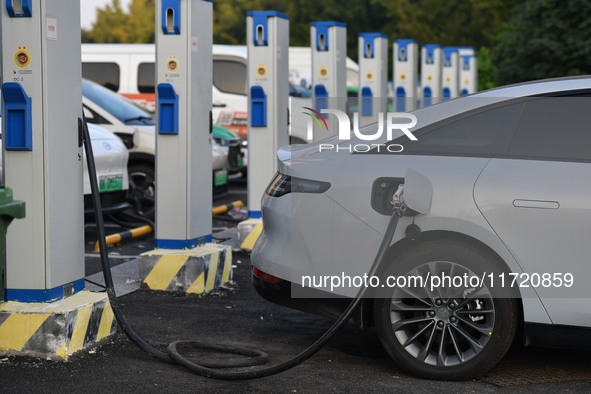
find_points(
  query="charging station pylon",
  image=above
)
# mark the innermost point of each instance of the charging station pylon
(450, 74)
(468, 71)
(405, 74)
(267, 40)
(328, 42)
(373, 77)
(431, 70)
(46, 312)
(185, 259)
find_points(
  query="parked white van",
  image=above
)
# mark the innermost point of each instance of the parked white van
(129, 70)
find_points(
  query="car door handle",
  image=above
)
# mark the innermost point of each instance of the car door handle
(540, 204)
(219, 105)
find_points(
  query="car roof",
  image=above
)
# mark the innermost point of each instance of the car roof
(538, 87)
(447, 109)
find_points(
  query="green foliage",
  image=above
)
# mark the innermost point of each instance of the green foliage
(115, 26)
(545, 38)
(487, 72)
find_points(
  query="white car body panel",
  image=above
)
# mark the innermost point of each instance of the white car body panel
(467, 199)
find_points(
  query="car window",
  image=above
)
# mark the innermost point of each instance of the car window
(229, 76)
(93, 117)
(554, 128)
(483, 132)
(116, 105)
(106, 74)
(146, 75)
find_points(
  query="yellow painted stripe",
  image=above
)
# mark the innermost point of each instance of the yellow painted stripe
(213, 269)
(106, 322)
(18, 328)
(62, 353)
(80, 327)
(164, 271)
(227, 266)
(250, 240)
(198, 286)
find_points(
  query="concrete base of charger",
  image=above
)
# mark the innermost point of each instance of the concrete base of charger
(55, 330)
(192, 271)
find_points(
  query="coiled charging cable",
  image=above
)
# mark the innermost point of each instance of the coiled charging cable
(205, 367)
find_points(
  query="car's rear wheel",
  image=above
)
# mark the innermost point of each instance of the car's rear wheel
(142, 189)
(447, 331)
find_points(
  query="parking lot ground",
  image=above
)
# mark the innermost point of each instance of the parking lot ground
(352, 361)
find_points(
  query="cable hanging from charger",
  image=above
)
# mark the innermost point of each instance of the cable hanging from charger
(205, 367)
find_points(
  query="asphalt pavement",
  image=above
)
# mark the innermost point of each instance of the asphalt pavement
(352, 361)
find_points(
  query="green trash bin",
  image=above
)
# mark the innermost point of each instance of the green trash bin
(8, 210)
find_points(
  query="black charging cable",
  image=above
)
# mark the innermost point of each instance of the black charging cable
(205, 367)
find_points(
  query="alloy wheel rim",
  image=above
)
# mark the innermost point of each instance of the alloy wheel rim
(443, 326)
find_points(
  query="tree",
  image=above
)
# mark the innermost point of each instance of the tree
(115, 26)
(546, 38)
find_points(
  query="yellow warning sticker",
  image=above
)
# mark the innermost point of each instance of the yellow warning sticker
(261, 71)
(402, 76)
(172, 64)
(369, 76)
(323, 72)
(22, 57)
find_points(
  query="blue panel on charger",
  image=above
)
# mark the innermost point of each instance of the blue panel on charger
(258, 107)
(446, 93)
(368, 39)
(366, 101)
(403, 48)
(174, 7)
(168, 109)
(321, 96)
(430, 53)
(427, 96)
(400, 99)
(322, 31)
(26, 10)
(18, 119)
(259, 19)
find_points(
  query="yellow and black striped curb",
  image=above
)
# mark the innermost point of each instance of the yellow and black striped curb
(193, 271)
(55, 330)
(249, 231)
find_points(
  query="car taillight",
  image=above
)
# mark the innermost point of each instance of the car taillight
(264, 276)
(285, 184)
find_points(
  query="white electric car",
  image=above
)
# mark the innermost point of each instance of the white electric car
(110, 156)
(498, 190)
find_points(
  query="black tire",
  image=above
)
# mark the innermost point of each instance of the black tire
(454, 333)
(142, 189)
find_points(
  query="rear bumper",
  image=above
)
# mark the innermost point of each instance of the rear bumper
(279, 293)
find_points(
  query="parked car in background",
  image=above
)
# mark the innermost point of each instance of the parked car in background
(136, 127)
(235, 148)
(502, 177)
(110, 157)
(129, 70)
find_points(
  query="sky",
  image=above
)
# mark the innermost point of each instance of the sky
(88, 10)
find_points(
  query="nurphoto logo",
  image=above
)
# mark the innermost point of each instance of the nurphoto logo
(392, 121)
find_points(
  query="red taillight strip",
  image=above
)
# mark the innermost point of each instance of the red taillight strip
(264, 276)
